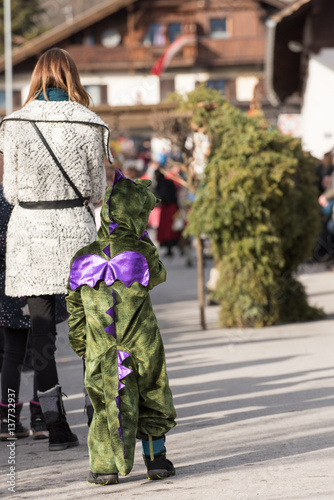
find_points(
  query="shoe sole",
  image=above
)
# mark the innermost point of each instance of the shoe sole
(107, 479)
(103, 484)
(62, 446)
(160, 474)
(5, 437)
(40, 435)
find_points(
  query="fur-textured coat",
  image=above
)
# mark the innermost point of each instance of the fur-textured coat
(41, 243)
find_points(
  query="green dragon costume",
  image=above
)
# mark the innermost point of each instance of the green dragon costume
(112, 322)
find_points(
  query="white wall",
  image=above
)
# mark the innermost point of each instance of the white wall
(318, 105)
(131, 90)
(186, 82)
(245, 87)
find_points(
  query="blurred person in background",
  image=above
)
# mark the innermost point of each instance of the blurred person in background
(324, 172)
(166, 190)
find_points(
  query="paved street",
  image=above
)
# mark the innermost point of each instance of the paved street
(255, 409)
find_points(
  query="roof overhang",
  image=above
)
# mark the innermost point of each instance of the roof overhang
(56, 35)
(279, 4)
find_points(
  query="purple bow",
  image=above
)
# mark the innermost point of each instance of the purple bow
(127, 267)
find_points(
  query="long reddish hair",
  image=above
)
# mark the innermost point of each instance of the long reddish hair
(56, 69)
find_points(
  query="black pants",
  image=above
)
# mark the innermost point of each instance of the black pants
(15, 344)
(43, 340)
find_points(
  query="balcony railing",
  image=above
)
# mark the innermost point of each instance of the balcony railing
(211, 52)
(236, 50)
(118, 58)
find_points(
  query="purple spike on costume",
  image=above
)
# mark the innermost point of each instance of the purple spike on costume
(112, 226)
(106, 250)
(145, 233)
(121, 356)
(128, 267)
(123, 371)
(110, 311)
(117, 176)
(111, 328)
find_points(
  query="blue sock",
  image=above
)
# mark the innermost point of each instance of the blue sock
(158, 446)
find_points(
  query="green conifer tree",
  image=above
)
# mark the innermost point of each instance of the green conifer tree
(258, 206)
(25, 21)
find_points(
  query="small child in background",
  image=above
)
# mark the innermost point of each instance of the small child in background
(113, 327)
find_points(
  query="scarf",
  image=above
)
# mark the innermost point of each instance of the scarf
(54, 95)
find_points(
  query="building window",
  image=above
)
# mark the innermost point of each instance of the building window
(166, 87)
(174, 31)
(218, 28)
(110, 38)
(89, 40)
(155, 35)
(219, 85)
(98, 93)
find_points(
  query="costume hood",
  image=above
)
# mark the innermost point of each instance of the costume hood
(126, 208)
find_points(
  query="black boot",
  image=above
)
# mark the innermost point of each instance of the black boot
(89, 410)
(11, 426)
(158, 466)
(60, 435)
(37, 421)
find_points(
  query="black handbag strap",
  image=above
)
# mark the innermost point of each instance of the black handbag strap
(59, 165)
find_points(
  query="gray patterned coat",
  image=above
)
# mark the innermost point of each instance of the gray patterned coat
(41, 243)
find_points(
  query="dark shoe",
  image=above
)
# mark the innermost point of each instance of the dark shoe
(60, 435)
(102, 479)
(11, 426)
(160, 467)
(37, 421)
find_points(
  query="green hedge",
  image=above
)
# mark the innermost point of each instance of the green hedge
(258, 206)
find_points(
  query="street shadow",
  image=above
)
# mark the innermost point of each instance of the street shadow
(212, 368)
(218, 343)
(236, 406)
(279, 450)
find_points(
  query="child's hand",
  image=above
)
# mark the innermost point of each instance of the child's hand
(323, 201)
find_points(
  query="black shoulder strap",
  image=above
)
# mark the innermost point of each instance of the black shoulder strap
(59, 165)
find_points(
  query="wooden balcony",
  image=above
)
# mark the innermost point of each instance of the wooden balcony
(206, 51)
(231, 51)
(98, 58)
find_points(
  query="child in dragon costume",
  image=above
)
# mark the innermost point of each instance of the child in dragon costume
(113, 326)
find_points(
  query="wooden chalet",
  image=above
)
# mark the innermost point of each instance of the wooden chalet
(116, 43)
(300, 66)
(302, 28)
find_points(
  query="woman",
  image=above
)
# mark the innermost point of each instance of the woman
(167, 192)
(54, 131)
